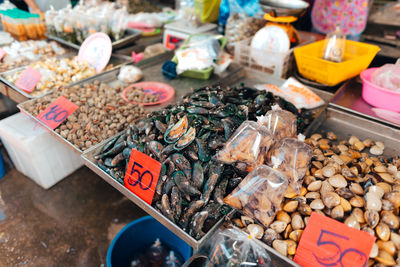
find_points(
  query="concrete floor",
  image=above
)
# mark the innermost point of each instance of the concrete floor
(71, 224)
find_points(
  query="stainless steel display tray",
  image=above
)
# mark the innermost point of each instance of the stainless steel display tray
(130, 37)
(91, 163)
(116, 60)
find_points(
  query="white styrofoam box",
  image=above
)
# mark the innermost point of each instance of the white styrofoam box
(35, 152)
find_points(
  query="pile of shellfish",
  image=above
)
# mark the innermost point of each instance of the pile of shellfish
(349, 181)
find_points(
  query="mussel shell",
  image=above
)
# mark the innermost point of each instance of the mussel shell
(175, 132)
(186, 139)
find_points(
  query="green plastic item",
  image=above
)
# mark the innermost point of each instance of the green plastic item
(204, 74)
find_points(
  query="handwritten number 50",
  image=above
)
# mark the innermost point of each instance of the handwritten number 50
(140, 177)
(326, 239)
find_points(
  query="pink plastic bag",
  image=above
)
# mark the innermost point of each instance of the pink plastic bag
(388, 76)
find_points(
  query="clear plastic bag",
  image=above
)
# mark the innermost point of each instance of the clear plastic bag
(260, 194)
(280, 123)
(292, 158)
(388, 76)
(130, 74)
(234, 248)
(246, 144)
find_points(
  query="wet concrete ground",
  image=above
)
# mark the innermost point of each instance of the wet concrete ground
(70, 224)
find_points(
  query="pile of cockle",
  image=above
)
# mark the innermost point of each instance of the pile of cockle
(184, 138)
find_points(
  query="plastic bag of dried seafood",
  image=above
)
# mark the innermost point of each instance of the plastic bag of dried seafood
(260, 194)
(292, 158)
(249, 144)
(281, 123)
(231, 247)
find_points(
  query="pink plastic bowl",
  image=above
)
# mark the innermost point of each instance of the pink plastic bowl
(377, 96)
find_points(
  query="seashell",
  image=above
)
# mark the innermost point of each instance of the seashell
(306, 220)
(297, 222)
(380, 144)
(387, 246)
(359, 146)
(313, 195)
(290, 193)
(309, 179)
(292, 246)
(246, 220)
(296, 235)
(328, 171)
(345, 192)
(280, 246)
(303, 191)
(345, 204)
(269, 236)
(374, 251)
(304, 209)
(317, 204)
(338, 181)
(351, 221)
(318, 174)
(376, 150)
(372, 218)
(287, 231)
(278, 226)
(326, 187)
(317, 164)
(290, 206)
(331, 136)
(359, 215)
(300, 199)
(368, 143)
(394, 198)
(368, 230)
(395, 238)
(283, 216)
(390, 219)
(356, 188)
(331, 199)
(373, 202)
(387, 177)
(255, 230)
(316, 137)
(315, 186)
(346, 159)
(376, 190)
(382, 230)
(380, 168)
(385, 258)
(353, 139)
(387, 205)
(337, 212)
(238, 223)
(357, 201)
(342, 148)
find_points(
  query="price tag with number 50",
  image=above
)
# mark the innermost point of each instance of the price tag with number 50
(326, 242)
(142, 175)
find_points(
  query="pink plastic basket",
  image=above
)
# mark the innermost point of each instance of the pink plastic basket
(377, 96)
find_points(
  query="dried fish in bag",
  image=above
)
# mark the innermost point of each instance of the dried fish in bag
(292, 158)
(249, 141)
(280, 123)
(231, 247)
(260, 194)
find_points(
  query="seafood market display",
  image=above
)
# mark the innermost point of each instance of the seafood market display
(138, 95)
(19, 54)
(56, 73)
(184, 138)
(350, 181)
(102, 113)
(159, 255)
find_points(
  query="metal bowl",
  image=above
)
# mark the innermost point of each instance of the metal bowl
(283, 8)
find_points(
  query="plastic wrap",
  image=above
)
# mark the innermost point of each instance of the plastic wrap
(231, 247)
(260, 194)
(387, 76)
(240, 24)
(130, 74)
(292, 158)
(246, 144)
(280, 123)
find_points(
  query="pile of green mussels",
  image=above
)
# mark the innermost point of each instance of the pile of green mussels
(184, 137)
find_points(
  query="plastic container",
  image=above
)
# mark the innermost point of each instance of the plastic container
(357, 57)
(199, 74)
(139, 235)
(378, 96)
(35, 152)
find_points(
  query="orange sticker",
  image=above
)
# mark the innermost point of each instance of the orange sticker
(28, 80)
(327, 242)
(142, 175)
(57, 112)
(2, 53)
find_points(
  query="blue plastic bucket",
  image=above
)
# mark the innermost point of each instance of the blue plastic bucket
(140, 234)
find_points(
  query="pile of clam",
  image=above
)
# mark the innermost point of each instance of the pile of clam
(348, 184)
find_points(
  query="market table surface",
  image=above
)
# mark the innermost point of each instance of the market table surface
(71, 224)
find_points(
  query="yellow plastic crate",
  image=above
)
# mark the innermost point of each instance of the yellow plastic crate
(357, 57)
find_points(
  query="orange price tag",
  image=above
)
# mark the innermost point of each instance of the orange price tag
(2, 53)
(327, 242)
(142, 175)
(28, 80)
(57, 112)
